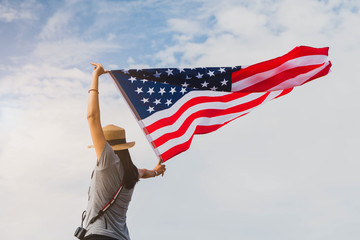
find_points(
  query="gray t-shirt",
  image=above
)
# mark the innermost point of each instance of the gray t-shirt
(105, 181)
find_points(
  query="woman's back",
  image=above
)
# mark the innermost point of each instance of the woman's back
(106, 179)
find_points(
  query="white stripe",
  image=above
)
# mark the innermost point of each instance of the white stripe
(206, 121)
(201, 106)
(271, 96)
(300, 79)
(174, 108)
(296, 62)
(203, 121)
(149, 138)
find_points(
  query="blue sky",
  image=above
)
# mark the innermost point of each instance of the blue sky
(288, 170)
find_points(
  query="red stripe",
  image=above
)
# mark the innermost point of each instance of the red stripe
(186, 145)
(322, 73)
(273, 63)
(275, 80)
(191, 102)
(208, 113)
(284, 92)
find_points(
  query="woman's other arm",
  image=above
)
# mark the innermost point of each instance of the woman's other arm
(158, 169)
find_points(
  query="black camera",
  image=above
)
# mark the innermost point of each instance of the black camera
(80, 233)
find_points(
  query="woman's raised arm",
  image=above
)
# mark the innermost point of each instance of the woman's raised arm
(93, 111)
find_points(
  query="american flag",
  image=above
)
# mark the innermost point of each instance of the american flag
(173, 104)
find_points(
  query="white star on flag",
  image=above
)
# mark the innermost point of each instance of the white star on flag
(222, 70)
(132, 79)
(168, 102)
(139, 90)
(157, 74)
(199, 75)
(224, 82)
(162, 91)
(157, 101)
(211, 73)
(185, 85)
(183, 90)
(169, 72)
(145, 100)
(150, 109)
(172, 91)
(204, 84)
(151, 90)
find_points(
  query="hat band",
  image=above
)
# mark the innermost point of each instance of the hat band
(116, 141)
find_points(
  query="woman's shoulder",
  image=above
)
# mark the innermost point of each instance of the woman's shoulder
(108, 157)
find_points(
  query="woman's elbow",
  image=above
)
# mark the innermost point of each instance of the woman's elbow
(89, 116)
(92, 116)
(141, 173)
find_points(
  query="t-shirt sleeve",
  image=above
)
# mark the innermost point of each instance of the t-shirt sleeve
(109, 169)
(108, 157)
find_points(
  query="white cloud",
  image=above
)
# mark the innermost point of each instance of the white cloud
(64, 45)
(42, 80)
(72, 51)
(111, 36)
(184, 26)
(241, 22)
(24, 11)
(57, 26)
(267, 28)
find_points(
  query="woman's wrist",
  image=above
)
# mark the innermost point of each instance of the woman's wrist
(93, 89)
(95, 76)
(155, 172)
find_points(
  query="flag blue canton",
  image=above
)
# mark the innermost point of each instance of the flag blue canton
(152, 90)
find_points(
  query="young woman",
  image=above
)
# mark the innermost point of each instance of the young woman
(114, 168)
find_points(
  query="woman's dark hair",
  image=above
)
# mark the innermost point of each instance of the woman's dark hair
(131, 173)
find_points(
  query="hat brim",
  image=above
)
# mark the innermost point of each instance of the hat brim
(119, 147)
(123, 146)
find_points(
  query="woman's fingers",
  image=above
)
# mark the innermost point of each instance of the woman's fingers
(161, 167)
(96, 65)
(99, 69)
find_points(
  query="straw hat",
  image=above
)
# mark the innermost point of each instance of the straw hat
(115, 136)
